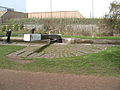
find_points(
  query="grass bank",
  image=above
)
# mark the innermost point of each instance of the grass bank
(89, 37)
(20, 34)
(5, 63)
(103, 63)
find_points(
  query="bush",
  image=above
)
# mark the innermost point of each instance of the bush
(16, 27)
(112, 20)
(4, 28)
(21, 26)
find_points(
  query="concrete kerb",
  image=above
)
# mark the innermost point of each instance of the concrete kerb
(90, 41)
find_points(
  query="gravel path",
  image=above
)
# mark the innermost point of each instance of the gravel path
(20, 80)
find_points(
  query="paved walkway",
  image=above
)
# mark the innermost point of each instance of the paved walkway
(20, 80)
(59, 50)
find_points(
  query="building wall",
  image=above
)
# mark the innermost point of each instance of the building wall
(12, 15)
(7, 15)
(1, 15)
(61, 14)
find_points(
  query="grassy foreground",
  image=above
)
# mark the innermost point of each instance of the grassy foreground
(103, 63)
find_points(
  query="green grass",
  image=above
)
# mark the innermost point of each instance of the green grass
(103, 63)
(14, 33)
(89, 37)
(5, 62)
(68, 36)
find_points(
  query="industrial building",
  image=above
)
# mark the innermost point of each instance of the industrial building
(8, 13)
(6, 9)
(57, 14)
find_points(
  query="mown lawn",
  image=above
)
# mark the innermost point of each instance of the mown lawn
(15, 33)
(89, 37)
(103, 63)
(5, 62)
(20, 34)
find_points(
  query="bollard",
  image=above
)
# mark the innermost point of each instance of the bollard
(8, 34)
(33, 30)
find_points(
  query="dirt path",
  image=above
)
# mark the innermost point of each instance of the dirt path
(20, 80)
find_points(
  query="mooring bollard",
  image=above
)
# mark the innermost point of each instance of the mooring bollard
(8, 34)
(33, 30)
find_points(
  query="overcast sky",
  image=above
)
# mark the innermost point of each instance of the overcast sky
(18, 5)
(83, 6)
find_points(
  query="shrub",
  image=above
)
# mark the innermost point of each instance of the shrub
(16, 27)
(112, 20)
(4, 28)
(21, 26)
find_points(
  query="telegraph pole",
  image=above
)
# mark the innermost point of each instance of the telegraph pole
(92, 8)
(92, 33)
(51, 8)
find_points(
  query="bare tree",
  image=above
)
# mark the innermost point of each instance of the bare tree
(112, 19)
